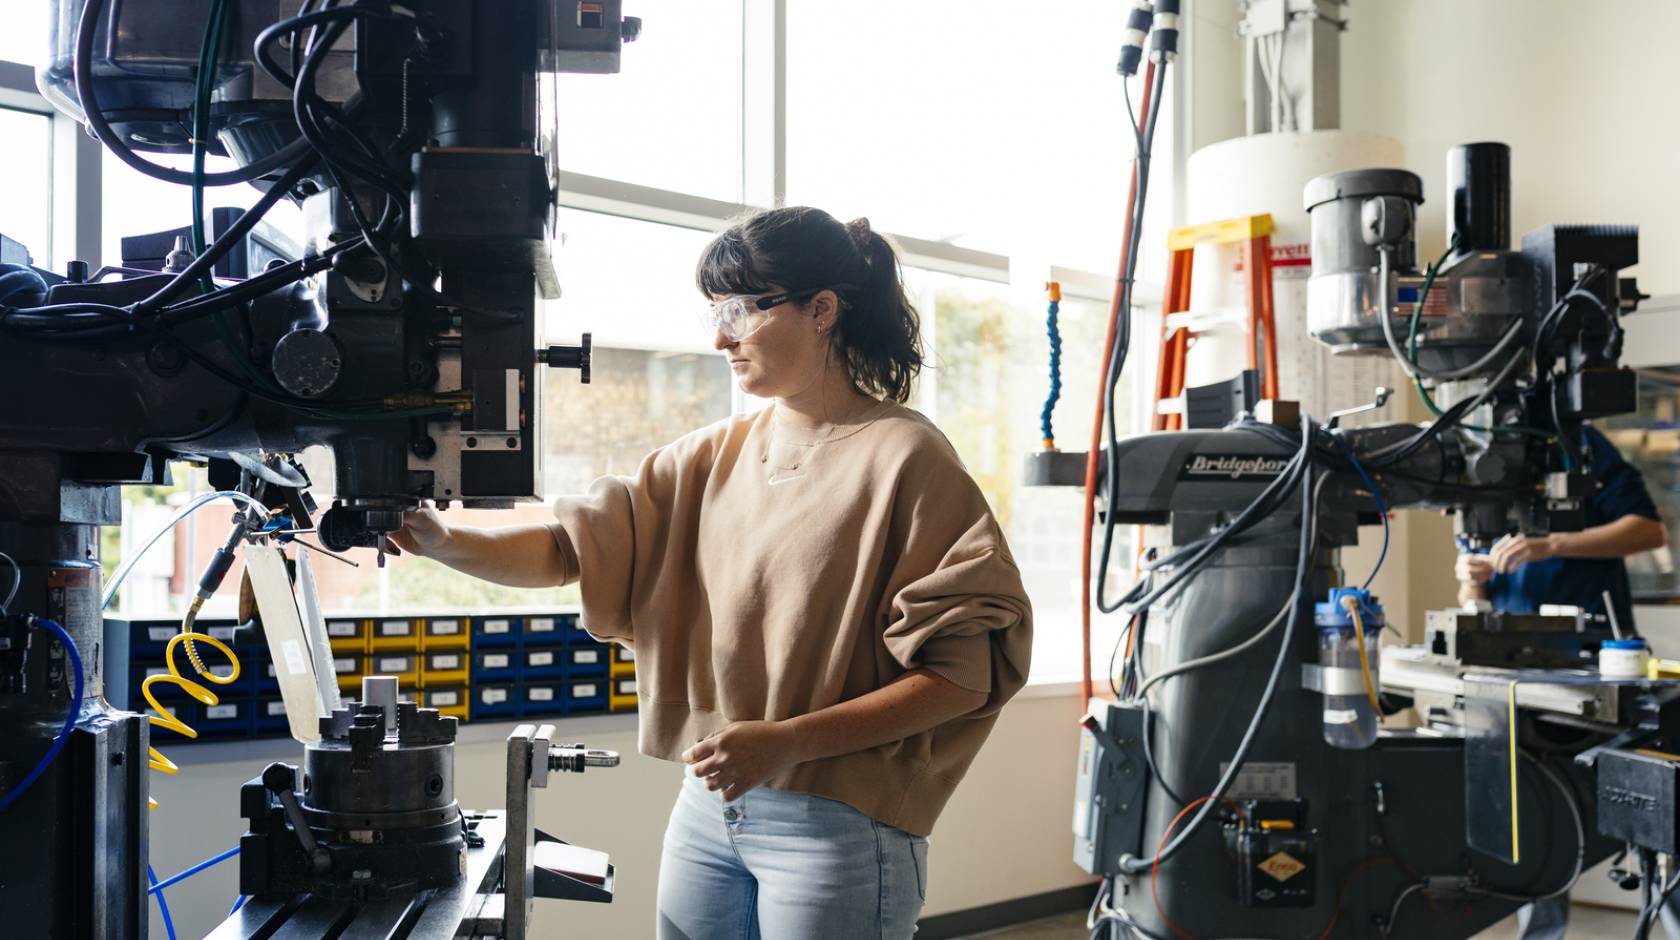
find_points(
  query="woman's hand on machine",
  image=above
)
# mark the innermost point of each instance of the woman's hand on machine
(742, 756)
(423, 533)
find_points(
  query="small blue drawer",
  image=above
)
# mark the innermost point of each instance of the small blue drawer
(543, 698)
(495, 665)
(496, 631)
(269, 715)
(495, 700)
(588, 662)
(543, 662)
(586, 696)
(228, 718)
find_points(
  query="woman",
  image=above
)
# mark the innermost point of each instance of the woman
(825, 614)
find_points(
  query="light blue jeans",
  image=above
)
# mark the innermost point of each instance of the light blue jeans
(785, 866)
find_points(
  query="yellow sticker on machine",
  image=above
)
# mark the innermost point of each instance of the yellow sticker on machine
(1282, 866)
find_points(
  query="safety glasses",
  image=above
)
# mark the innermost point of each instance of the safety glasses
(742, 315)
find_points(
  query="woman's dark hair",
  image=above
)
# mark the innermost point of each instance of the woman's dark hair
(878, 334)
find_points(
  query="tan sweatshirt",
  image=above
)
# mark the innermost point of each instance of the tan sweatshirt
(763, 571)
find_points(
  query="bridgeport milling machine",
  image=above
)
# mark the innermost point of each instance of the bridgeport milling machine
(419, 140)
(1238, 786)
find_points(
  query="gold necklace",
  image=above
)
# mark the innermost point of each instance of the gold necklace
(770, 444)
(808, 446)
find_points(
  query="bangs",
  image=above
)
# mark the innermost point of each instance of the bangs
(726, 267)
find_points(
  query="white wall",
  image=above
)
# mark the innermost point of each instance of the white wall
(1583, 93)
(1006, 834)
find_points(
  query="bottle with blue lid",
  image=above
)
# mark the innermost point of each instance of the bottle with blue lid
(1349, 619)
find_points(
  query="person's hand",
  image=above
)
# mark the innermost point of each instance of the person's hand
(423, 531)
(1514, 551)
(1473, 570)
(743, 755)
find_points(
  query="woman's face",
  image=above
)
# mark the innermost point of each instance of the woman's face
(787, 353)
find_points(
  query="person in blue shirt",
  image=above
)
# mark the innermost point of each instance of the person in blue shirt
(1523, 572)
(1575, 568)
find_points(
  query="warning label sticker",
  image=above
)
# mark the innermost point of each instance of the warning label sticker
(1282, 866)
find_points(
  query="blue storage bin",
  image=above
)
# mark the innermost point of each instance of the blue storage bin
(268, 715)
(496, 700)
(499, 631)
(137, 673)
(575, 633)
(495, 665)
(543, 662)
(228, 718)
(587, 662)
(147, 638)
(586, 696)
(544, 629)
(542, 699)
(265, 680)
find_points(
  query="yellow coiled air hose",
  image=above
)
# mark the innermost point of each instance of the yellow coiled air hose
(163, 717)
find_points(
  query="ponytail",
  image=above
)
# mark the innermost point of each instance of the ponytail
(880, 336)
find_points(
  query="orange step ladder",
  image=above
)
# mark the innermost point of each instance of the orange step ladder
(1255, 234)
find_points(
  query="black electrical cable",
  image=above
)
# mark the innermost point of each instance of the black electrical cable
(1200, 549)
(216, 424)
(1269, 498)
(1141, 695)
(309, 108)
(306, 104)
(87, 321)
(310, 19)
(1131, 864)
(1576, 291)
(1123, 330)
(1134, 662)
(228, 239)
(1204, 549)
(1394, 453)
(1147, 718)
(82, 74)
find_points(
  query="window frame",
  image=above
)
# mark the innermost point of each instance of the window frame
(75, 180)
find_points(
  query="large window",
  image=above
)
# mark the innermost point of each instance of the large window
(26, 168)
(673, 118)
(984, 123)
(25, 37)
(986, 389)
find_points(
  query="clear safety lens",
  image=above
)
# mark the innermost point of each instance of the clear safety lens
(736, 317)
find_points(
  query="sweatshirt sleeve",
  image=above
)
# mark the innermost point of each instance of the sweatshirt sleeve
(615, 538)
(957, 606)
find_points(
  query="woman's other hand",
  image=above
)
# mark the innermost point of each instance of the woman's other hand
(744, 755)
